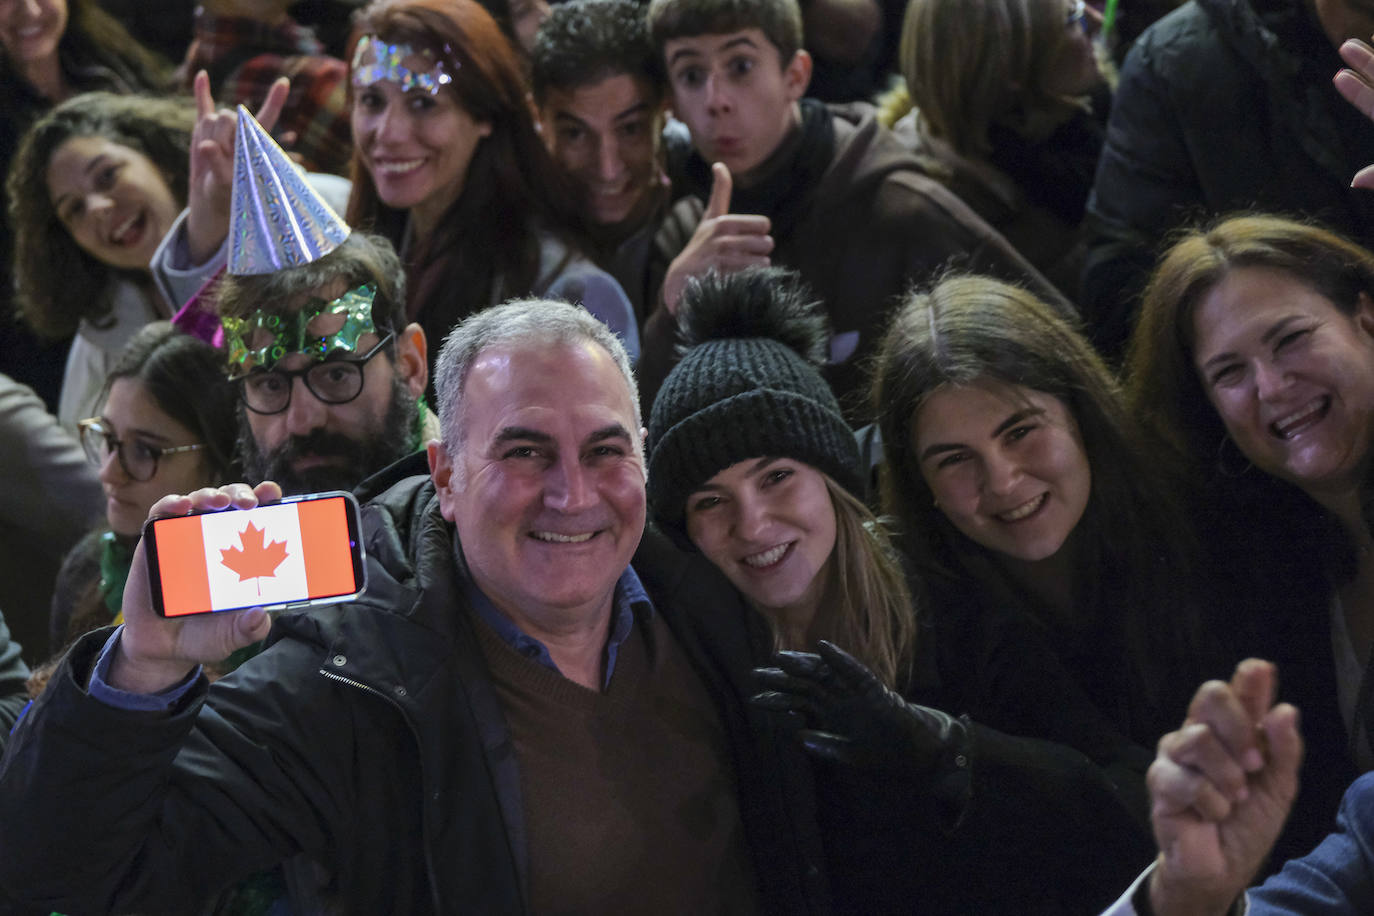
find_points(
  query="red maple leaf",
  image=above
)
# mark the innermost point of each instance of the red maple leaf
(254, 561)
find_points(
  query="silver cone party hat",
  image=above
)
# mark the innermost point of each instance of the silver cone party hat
(276, 219)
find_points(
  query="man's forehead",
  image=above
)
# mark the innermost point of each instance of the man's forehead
(715, 43)
(530, 379)
(608, 99)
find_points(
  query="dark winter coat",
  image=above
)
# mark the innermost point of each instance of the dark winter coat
(367, 737)
(1223, 105)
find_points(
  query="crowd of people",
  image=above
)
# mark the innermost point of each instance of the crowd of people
(852, 457)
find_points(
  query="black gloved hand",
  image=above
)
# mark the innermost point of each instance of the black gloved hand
(853, 718)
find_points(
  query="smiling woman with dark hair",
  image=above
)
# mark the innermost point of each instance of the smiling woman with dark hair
(50, 51)
(448, 166)
(1253, 366)
(95, 185)
(1060, 571)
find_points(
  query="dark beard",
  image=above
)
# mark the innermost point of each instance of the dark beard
(355, 461)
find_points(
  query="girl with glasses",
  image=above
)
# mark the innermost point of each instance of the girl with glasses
(167, 425)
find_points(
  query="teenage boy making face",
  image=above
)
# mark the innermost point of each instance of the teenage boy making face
(790, 181)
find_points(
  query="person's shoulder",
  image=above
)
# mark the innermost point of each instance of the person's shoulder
(561, 265)
(667, 568)
(396, 504)
(863, 148)
(1183, 26)
(1179, 43)
(1359, 802)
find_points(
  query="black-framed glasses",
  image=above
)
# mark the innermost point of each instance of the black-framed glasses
(138, 459)
(1076, 14)
(334, 381)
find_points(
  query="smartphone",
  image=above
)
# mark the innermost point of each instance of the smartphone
(303, 550)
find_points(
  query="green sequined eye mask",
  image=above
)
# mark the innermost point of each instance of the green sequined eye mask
(375, 60)
(286, 334)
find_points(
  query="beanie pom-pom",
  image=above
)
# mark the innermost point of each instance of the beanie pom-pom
(768, 302)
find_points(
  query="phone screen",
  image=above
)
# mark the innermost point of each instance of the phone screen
(299, 551)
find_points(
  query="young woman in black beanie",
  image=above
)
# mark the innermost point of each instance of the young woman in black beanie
(752, 463)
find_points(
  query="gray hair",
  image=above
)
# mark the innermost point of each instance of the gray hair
(520, 322)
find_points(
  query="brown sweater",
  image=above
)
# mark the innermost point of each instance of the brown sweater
(629, 797)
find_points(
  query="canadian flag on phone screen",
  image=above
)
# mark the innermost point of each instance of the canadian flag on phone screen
(272, 555)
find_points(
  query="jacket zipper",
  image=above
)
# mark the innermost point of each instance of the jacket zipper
(429, 846)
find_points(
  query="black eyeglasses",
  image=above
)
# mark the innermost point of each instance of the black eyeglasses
(138, 459)
(334, 381)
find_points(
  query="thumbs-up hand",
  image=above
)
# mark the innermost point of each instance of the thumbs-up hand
(212, 164)
(722, 240)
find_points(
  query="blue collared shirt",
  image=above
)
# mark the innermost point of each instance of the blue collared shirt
(629, 592)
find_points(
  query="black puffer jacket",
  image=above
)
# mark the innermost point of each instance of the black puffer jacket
(1223, 105)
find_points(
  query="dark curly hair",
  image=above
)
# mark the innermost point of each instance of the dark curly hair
(585, 41)
(58, 284)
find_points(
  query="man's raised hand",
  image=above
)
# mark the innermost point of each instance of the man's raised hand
(156, 652)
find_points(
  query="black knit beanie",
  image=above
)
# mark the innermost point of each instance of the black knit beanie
(747, 386)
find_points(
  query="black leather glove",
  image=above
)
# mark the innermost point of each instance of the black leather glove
(853, 718)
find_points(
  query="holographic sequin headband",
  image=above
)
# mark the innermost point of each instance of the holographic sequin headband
(375, 60)
(287, 333)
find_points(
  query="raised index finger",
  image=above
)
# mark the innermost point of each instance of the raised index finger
(200, 87)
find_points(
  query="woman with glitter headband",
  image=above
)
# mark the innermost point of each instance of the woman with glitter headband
(448, 166)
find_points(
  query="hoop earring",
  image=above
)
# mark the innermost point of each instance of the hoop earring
(1231, 470)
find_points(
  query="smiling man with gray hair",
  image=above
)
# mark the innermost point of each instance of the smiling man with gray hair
(536, 703)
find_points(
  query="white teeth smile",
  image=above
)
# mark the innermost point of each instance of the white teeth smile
(399, 167)
(1024, 509)
(768, 557)
(123, 229)
(1285, 427)
(555, 538)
